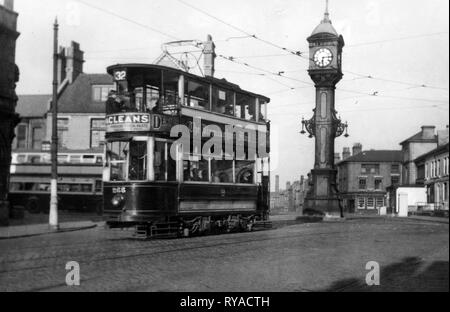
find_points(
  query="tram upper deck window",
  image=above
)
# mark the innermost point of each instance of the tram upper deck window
(245, 107)
(170, 88)
(196, 94)
(117, 159)
(262, 110)
(222, 101)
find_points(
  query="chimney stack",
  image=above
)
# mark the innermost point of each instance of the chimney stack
(75, 60)
(428, 132)
(346, 153)
(337, 158)
(442, 136)
(357, 148)
(209, 57)
(9, 4)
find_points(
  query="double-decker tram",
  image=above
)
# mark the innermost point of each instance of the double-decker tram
(185, 154)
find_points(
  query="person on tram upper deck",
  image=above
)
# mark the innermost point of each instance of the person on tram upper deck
(112, 103)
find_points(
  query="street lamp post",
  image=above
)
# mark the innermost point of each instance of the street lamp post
(53, 215)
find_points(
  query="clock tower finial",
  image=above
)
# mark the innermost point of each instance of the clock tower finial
(326, 18)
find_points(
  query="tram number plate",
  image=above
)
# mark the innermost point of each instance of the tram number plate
(119, 190)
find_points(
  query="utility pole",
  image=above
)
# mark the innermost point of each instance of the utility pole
(53, 215)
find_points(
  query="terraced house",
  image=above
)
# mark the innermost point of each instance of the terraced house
(364, 177)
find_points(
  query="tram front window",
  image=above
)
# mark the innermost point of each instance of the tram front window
(117, 159)
(137, 169)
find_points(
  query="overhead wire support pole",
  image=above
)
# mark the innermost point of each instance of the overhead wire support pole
(53, 215)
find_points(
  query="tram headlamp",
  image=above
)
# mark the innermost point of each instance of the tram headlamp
(117, 201)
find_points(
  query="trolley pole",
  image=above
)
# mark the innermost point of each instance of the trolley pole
(53, 215)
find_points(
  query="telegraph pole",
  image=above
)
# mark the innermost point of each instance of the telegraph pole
(53, 215)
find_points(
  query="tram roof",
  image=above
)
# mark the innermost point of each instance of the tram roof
(219, 82)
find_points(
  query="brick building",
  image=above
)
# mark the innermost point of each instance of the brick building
(364, 177)
(413, 147)
(433, 173)
(9, 76)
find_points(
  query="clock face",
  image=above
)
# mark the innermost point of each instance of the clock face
(323, 57)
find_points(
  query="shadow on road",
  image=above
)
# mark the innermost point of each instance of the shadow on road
(410, 275)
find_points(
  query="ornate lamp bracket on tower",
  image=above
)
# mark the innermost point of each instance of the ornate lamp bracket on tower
(339, 127)
(309, 125)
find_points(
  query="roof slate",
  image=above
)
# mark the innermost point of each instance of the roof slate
(376, 156)
(34, 105)
(77, 97)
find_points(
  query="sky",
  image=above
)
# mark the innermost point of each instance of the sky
(402, 44)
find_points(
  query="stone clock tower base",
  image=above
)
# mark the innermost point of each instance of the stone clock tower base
(322, 198)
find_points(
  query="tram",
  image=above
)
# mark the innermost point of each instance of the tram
(185, 154)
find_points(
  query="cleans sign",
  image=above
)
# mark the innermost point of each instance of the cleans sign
(138, 122)
(128, 122)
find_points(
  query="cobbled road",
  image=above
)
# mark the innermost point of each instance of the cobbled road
(413, 256)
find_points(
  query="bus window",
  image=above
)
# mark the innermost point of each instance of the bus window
(43, 187)
(21, 158)
(74, 187)
(197, 94)
(62, 159)
(35, 159)
(75, 159)
(88, 159)
(222, 171)
(138, 161)
(117, 157)
(16, 186)
(245, 107)
(223, 101)
(245, 171)
(63, 187)
(195, 169)
(160, 161)
(98, 186)
(29, 186)
(86, 188)
(98, 159)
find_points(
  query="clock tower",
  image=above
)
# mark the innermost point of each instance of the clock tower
(325, 69)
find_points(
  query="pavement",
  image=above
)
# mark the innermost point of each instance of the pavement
(20, 231)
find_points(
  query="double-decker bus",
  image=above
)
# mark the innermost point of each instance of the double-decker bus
(184, 154)
(79, 180)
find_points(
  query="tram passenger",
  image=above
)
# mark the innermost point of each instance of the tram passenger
(112, 103)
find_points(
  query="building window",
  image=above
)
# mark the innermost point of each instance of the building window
(395, 168)
(380, 201)
(100, 92)
(97, 132)
(63, 128)
(370, 168)
(21, 136)
(37, 135)
(362, 184)
(378, 183)
(395, 180)
(370, 203)
(361, 203)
